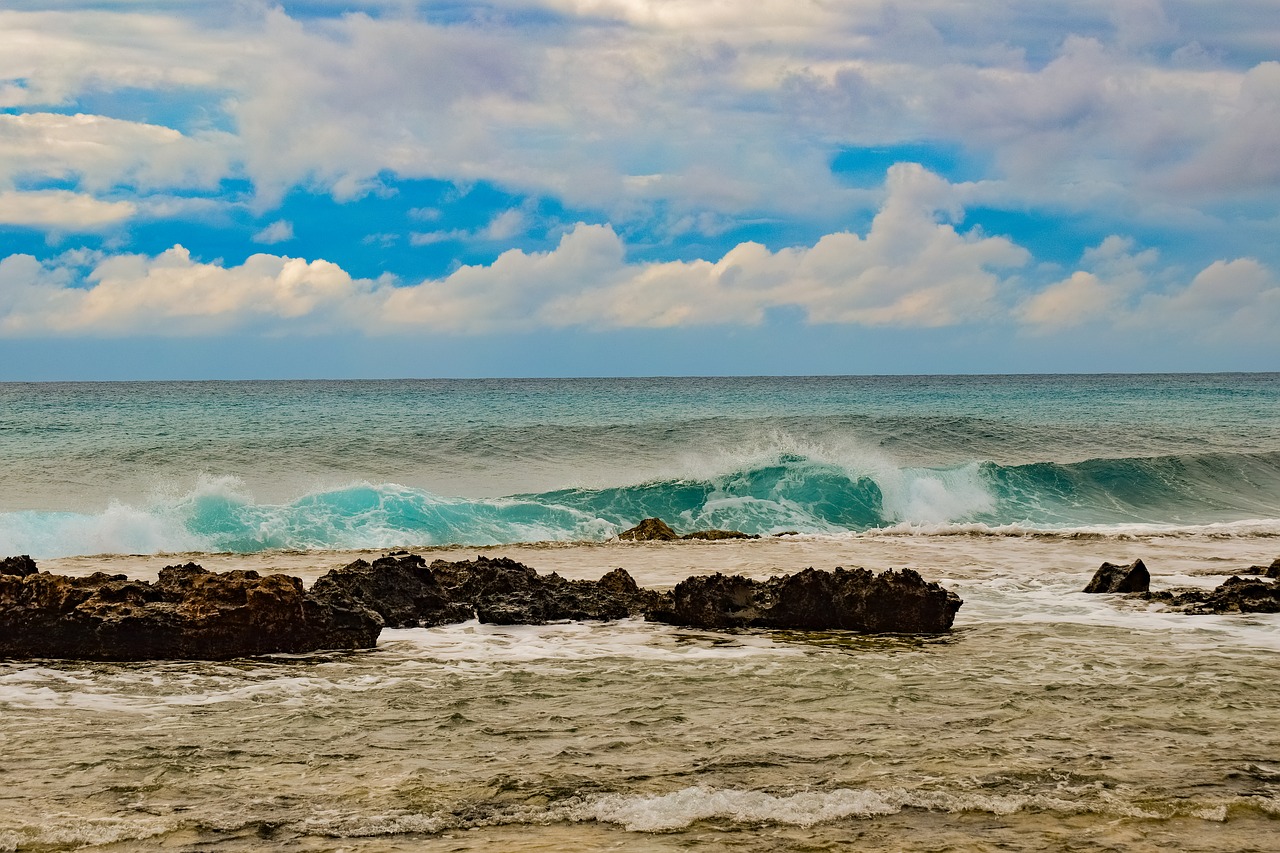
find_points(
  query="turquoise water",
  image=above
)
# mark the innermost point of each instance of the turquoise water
(248, 466)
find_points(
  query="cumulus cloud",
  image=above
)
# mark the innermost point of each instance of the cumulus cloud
(61, 210)
(102, 153)
(171, 294)
(1125, 290)
(911, 269)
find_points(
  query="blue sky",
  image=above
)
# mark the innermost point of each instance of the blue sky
(622, 187)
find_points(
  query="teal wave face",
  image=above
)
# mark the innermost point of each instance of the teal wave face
(1182, 489)
(789, 492)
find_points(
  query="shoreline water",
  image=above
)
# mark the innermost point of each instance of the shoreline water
(1046, 717)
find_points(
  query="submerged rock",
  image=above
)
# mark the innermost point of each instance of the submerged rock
(893, 602)
(188, 613)
(1114, 578)
(409, 593)
(650, 530)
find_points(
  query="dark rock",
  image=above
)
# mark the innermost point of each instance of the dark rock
(1235, 595)
(650, 530)
(1271, 571)
(1113, 578)
(787, 533)
(715, 535)
(399, 587)
(188, 613)
(899, 602)
(18, 566)
(408, 593)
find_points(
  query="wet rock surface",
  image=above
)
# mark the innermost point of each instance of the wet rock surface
(649, 530)
(191, 613)
(1111, 577)
(409, 593)
(1271, 571)
(18, 566)
(898, 602)
(714, 535)
(188, 613)
(657, 530)
(1234, 595)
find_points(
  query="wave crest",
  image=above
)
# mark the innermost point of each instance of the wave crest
(1211, 494)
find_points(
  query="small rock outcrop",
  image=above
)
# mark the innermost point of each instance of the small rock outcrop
(1271, 571)
(657, 530)
(716, 535)
(409, 593)
(1234, 595)
(649, 530)
(1114, 578)
(399, 588)
(18, 566)
(893, 602)
(188, 613)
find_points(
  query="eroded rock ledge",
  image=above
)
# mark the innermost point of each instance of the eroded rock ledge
(408, 593)
(187, 613)
(893, 602)
(196, 614)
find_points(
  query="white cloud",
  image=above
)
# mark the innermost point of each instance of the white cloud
(1227, 301)
(279, 231)
(909, 270)
(62, 210)
(102, 153)
(1123, 290)
(170, 294)
(667, 92)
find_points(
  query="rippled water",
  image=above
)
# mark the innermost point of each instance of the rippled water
(257, 466)
(1047, 720)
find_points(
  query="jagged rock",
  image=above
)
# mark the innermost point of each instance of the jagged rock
(398, 587)
(188, 613)
(18, 566)
(899, 602)
(650, 530)
(501, 591)
(1113, 578)
(715, 535)
(1234, 595)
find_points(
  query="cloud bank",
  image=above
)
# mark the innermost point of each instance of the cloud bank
(912, 268)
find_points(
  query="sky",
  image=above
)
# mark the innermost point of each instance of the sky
(194, 190)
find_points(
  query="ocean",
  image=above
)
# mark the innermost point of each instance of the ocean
(1047, 719)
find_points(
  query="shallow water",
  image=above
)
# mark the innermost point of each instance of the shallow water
(1046, 719)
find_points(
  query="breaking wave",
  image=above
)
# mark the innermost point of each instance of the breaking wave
(1215, 493)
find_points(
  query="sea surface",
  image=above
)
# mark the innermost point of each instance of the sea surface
(1047, 719)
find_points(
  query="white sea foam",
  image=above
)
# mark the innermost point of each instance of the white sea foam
(479, 644)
